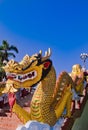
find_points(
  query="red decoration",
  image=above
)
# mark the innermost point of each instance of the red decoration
(46, 64)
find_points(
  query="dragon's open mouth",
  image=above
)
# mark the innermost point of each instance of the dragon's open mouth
(22, 77)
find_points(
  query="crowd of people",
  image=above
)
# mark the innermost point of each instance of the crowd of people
(20, 94)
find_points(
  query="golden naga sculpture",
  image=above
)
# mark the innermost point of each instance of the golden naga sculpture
(79, 90)
(77, 75)
(50, 98)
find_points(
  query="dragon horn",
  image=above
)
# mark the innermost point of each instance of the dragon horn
(40, 52)
(47, 54)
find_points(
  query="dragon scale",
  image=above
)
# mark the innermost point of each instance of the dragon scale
(42, 100)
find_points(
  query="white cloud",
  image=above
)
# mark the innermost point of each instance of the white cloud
(34, 125)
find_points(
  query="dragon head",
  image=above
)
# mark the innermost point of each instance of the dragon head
(29, 71)
(76, 69)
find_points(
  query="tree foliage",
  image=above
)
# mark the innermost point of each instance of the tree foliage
(5, 53)
(5, 50)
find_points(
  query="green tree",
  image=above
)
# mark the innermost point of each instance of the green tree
(5, 49)
(5, 53)
(1, 58)
(2, 74)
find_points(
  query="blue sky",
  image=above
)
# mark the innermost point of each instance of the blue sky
(33, 25)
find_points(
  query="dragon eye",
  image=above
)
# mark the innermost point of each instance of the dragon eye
(46, 65)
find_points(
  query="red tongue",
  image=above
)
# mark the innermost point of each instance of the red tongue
(12, 76)
(12, 99)
(9, 77)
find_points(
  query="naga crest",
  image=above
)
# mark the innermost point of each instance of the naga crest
(30, 70)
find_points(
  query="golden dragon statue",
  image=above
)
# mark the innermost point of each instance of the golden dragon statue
(51, 96)
(78, 77)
